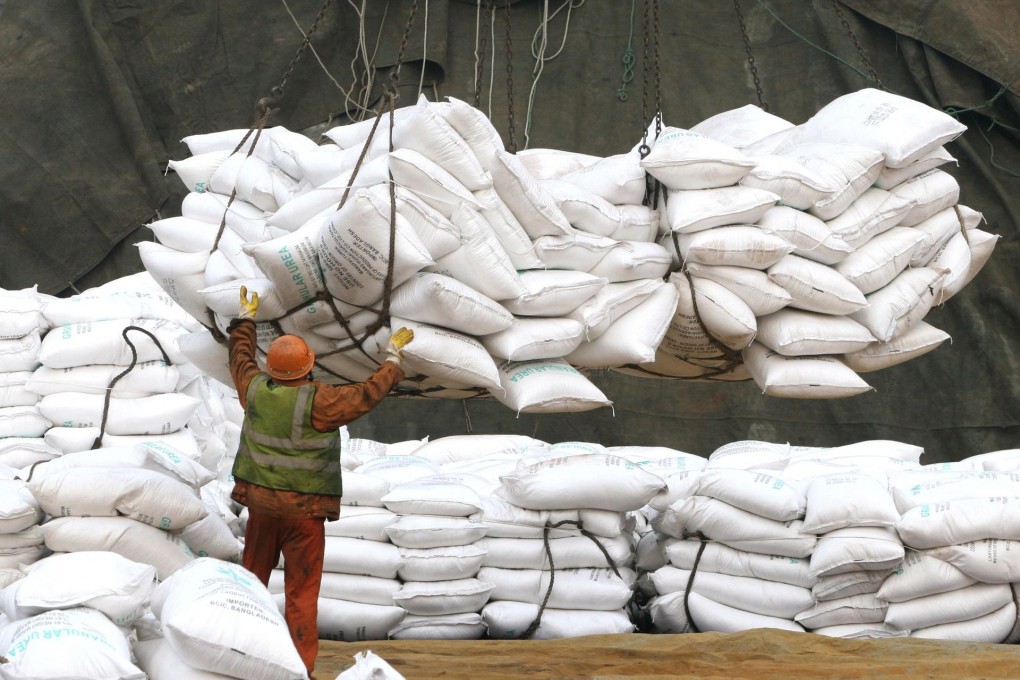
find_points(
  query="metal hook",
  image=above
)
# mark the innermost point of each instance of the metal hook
(264, 107)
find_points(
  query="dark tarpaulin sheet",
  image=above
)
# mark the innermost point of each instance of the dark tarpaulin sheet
(99, 93)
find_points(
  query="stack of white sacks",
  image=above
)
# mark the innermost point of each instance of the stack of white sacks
(91, 538)
(454, 539)
(834, 541)
(576, 577)
(796, 255)
(853, 541)
(97, 614)
(507, 536)
(22, 425)
(140, 489)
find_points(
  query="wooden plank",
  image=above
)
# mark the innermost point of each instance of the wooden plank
(763, 654)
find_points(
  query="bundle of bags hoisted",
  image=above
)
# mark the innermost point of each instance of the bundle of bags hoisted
(795, 255)
(816, 250)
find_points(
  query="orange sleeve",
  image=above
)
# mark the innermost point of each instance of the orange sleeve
(337, 405)
(243, 366)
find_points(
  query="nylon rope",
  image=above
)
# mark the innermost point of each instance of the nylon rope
(98, 443)
(492, 59)
(814, 45)
(382, 318)
(539, 45)
(690, 583)
(311, 48)
(424, 51)
(480, 40)
(539, 67)
(537, 622)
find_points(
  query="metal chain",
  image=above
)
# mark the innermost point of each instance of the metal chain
(658, 84)
(628, 59)
(395, 73)
(276, 92)
(480, 61)
(510, 83)
(646, 21)
(860, 50)
(750, 56)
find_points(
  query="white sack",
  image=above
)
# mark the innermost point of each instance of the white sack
(442, 563)
(572, 552)
(436, 598)
(134, 540)
(590, 588)
(547, 386)
(443, 301)
(807, 377)
(80, 643)
(554, 292)
(507, 620)
(143, 495)
(156, 414)
(104, 581)
(220, 618)
(960, 521)
(587, 481)
(902, 129)
(737, 528)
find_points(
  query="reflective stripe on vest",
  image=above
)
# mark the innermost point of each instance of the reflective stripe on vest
(307, 460)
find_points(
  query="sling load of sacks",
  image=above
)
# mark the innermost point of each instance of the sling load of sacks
(798, 256)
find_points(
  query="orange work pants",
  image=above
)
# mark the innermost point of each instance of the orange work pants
(303, 543)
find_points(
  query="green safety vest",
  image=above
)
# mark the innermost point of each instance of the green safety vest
(279, 448)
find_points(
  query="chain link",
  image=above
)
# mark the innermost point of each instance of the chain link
(857, 45)
(490, 9)
(658, 84)
(266, 103)
(628, 59)
(510, 83)
(750, 56)
(646, 21)
(395, 73)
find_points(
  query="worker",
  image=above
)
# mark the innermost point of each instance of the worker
(287, 469)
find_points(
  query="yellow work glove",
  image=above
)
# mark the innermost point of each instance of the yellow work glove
(397, 341)
(248, 307)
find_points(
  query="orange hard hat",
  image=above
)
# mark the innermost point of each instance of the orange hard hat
(289, 358)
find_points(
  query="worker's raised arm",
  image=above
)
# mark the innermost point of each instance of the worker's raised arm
(337, 405)
(243, 348)
(243, 344)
